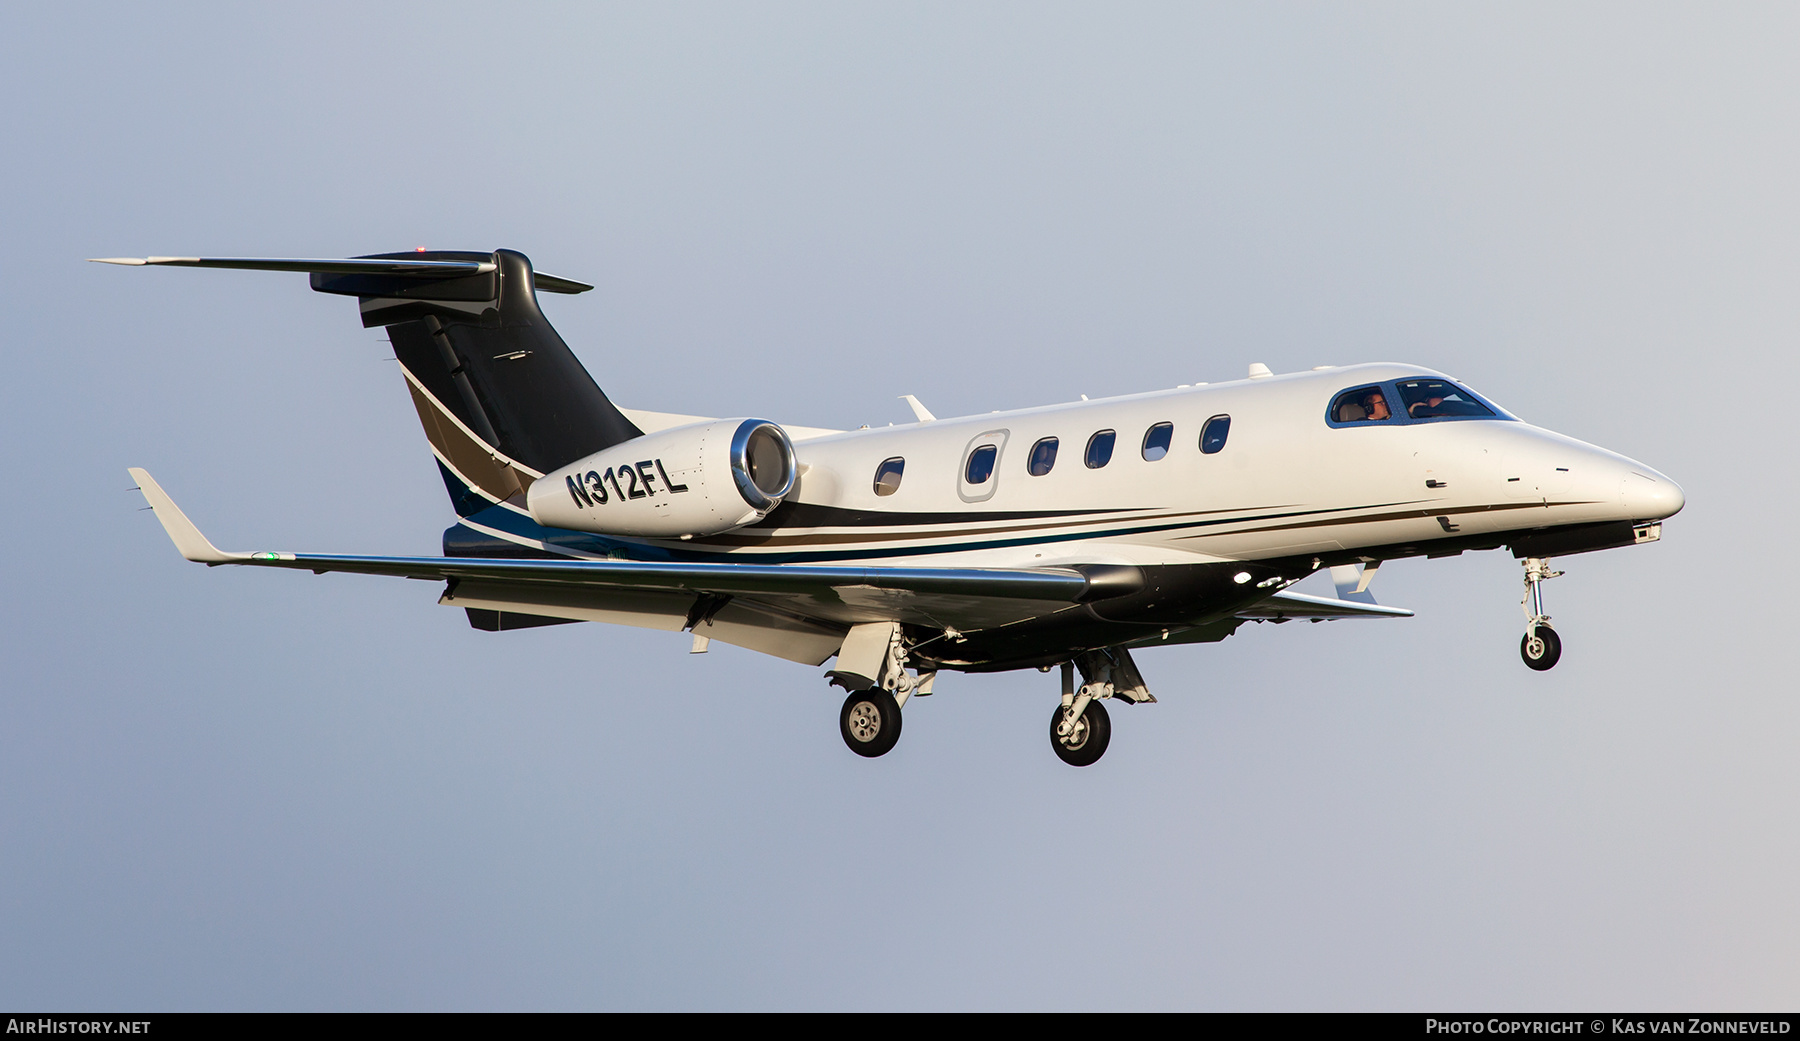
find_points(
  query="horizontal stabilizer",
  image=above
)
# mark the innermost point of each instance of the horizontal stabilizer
(388, 266)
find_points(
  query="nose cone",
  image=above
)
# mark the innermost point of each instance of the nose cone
(1649, 495)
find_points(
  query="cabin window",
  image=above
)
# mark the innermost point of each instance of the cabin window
(981, 464)
(1043, 457)
(1214, 433)
(1156, 441)
(1099, 449)
(1439, 399)
(888, 474)
(1362, 405)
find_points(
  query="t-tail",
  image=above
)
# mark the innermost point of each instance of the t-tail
(502, 398)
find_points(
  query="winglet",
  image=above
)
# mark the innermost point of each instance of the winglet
(187, 538)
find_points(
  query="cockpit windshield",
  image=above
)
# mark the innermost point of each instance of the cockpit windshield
(1423, 399)
(1439, 399)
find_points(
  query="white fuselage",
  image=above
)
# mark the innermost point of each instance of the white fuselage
(1286, 483)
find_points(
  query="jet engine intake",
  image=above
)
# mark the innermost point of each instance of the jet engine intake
(701, 479)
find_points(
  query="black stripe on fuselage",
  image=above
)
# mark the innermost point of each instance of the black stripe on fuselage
(815, 538)
(1169, 522)
(1452, 511)
(773, 548)
(808, 547)
(811, 515)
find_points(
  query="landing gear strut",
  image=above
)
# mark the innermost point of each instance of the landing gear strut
(872, 665)
(1540, 647)
(1080, 729)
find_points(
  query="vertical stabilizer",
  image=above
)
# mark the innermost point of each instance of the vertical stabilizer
(501, 397)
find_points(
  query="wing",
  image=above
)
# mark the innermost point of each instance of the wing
(1280, 607)
(796, 612)
(791, 611)
(1285, 605)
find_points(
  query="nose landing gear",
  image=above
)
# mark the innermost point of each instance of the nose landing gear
(1540, 647)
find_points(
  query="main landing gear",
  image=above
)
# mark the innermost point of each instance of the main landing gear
(1540, 646)
(1079, 738)
(1080, 728)
(872, 664)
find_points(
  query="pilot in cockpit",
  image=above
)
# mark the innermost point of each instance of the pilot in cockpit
(1364, 406)
(1426, 409)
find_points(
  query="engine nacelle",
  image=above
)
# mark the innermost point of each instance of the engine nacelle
(694, 480)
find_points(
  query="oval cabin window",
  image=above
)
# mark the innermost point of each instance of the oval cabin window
(981, 464)
(1043, 457)
(1099, 449)
(888, 474)
(1213, 435)
(1157, 439)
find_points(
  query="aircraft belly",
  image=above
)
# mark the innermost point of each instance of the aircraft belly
(855, 605)
(1195, 603)
(1028, 646)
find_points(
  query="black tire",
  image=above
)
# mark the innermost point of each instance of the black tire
(1091, 736)
(870, 722)
(1546, 653)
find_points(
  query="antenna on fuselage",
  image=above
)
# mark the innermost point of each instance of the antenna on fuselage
(922, 413)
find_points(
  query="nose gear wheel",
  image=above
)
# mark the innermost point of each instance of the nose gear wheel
(1541, 647)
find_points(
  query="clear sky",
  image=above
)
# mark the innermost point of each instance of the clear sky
(225, 790)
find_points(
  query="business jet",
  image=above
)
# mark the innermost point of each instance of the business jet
(1062, 537)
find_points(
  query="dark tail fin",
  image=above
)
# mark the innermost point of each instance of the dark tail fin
(503, 400)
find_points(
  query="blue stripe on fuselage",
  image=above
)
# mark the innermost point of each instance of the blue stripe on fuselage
(469, 542)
